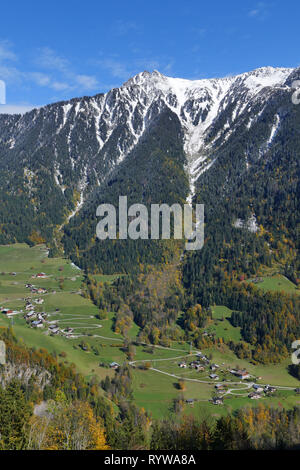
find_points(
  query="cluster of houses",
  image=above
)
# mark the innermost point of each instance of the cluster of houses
(54, 329)
(68, 332)
(36, 290)
(202, 361)
(200, 364)
(35, 319)
(214, 400)
(193, 365)
(259, 390)
(39, 320)
(214, 368)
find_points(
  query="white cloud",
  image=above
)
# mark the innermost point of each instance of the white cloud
(61, 67)
(124, 70)
(115, 67)
(169, 67)
(260, 11)
(16, 108)
(8, 71)
(88, 82)
(54, 72)
(60, 86)
(40, 79)
(47, 58)
(6, 52)
(10, 74)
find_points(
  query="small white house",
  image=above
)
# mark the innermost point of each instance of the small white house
(114, 365)
(54, 331)
(214, 376)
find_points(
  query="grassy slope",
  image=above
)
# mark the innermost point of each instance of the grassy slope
(152, 390)
(222, 326)
(277, 282)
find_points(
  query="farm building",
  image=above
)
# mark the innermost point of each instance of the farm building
(214, 376)
(114, 365)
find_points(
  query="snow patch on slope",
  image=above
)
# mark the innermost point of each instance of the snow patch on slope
(274, 130)
(123, 115)
(250, 224)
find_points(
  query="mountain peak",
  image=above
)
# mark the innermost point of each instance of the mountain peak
(277, 75)
(145, 78)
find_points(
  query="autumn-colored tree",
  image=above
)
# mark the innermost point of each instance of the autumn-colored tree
(181, 384)
(68, 426)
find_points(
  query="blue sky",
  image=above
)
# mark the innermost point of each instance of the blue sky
(55, 50)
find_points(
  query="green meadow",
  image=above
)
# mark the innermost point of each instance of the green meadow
(155, 390)
(222, 326)
(277, 282)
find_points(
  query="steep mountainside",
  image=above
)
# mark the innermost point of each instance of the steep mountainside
(145, 140)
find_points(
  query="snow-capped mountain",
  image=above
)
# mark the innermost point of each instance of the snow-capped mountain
(198, 102)
(100, 131)
(79, 144)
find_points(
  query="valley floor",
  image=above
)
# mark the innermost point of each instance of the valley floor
(92, 345)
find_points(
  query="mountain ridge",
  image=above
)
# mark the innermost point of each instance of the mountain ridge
(54, 158)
